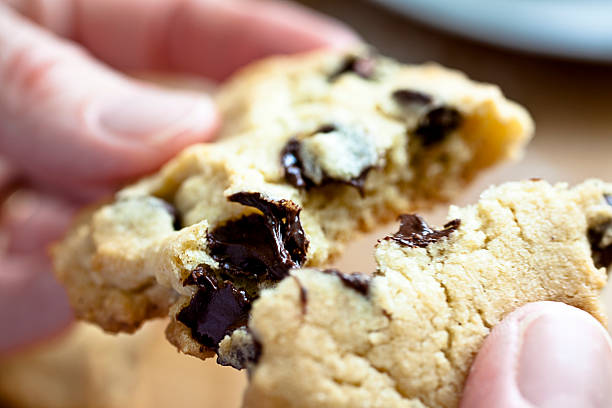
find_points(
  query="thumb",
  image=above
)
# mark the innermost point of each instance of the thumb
(543, 355)
(67, 120)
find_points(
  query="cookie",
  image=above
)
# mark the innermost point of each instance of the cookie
(406, 335)
(315, 148)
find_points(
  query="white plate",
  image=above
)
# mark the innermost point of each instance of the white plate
(566, 28)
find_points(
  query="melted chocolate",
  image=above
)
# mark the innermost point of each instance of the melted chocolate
(292, 163)
(437, 124)
(294, 167)
(356, 281)
(362, 66)
(214, 310)
(257, 246)
(406, 97)
(262, 246)
(415, 232)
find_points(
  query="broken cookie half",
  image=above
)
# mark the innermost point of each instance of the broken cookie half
(406, 335)
(314, 148)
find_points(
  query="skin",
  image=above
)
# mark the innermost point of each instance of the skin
(73, 128)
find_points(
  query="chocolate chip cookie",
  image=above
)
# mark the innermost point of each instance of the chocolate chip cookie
(314, 148)
(406, 335)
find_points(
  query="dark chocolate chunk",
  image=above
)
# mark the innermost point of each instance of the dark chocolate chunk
(295, 173)
(406, 97)
(356, 281)
(292, 164)
(415, 232)
(437, 124)
(362, 66)
(214, 310)
(262, 246)
(303, 295)
(255, 246)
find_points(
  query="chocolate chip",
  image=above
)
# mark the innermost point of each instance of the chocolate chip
(353, 152)
(214, 310)
(256, 246)
(406, 97)
(356, 281)
(263, 246)
(292, 164)
(415, 232)
(437, 124)
(362, 66)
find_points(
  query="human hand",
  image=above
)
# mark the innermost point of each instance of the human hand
(73, 128)
(543, 355)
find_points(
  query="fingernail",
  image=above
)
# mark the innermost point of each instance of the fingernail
(150, 115)
(565, 361)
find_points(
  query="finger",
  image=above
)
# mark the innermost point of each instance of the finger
(67, 120)
(33, 305)
(31, 221)
(543, 355)
(7, 176)
(206, 37)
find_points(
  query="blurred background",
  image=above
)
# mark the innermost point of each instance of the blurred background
(552, 57)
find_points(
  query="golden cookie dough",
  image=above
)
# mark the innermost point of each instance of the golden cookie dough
(315, 147)
(408, 337)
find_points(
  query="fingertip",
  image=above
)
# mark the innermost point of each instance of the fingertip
(543, 354)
